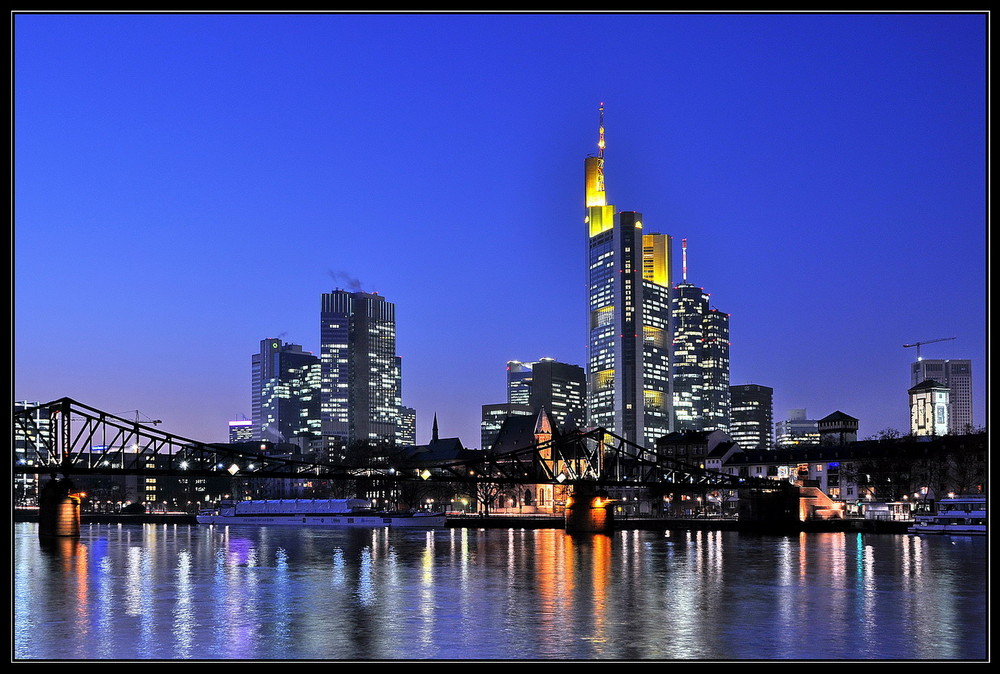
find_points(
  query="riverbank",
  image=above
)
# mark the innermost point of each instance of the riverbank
(556, 522)
(699, 524)
(23, 515)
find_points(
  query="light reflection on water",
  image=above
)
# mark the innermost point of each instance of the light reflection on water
(177, 591)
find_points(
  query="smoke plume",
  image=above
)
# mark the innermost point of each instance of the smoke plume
(352, 283)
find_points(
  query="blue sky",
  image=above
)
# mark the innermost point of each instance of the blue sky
(188, 184)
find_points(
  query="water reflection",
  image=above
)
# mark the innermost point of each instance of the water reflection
(165, 592)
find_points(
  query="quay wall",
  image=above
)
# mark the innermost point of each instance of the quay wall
(556, 522)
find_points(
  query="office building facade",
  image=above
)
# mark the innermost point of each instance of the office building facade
(751, 416)
(518, 382)
(241, 430)
(406, 431)
(700, 362)
(285, 392)
(360, 381)
(546, 384)
(796, 430)
(957, 376)
(629, 329)
(493, 418)
(561, 390)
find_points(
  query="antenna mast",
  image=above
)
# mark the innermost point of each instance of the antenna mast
(600, 140)
(684, 260)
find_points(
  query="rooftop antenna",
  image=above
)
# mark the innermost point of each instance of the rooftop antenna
(684, 260)
(600, 141)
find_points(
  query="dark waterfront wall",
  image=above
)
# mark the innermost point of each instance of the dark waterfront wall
(707, 524)
(554, 522)
(31, 515)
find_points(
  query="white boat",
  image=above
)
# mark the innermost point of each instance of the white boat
(960, 515)
(316, 512)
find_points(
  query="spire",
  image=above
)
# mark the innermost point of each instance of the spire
(595, 194)
(434, 432)
(684, 260)
(600, 141)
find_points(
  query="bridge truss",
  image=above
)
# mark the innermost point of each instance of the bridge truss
(70, 438)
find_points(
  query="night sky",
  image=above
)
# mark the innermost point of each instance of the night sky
(187, 185)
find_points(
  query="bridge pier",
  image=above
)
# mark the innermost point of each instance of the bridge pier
(588, 511)
(58, 510)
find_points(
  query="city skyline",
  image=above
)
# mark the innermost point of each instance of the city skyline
(188, 185)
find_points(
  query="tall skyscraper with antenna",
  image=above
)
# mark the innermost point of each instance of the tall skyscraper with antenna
(700, 358)
(629, 329)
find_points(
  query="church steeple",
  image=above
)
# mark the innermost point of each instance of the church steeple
(434, 431)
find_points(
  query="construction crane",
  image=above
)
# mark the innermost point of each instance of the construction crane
(929, 341)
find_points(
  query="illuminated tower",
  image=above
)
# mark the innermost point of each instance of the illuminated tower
(751, 416)
(629, 339)
(284, 392)
(360, 399)
(700, 359)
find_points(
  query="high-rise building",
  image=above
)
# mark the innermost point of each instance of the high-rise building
(406, 428)
(957, 376)
(360, 398)
(700, 359)
(560, 389)
(751, 412)
(285, 394)
(518, 382)
(629, 331)
(26, 439)
(493, 418)
(406, 431)
(796, 430)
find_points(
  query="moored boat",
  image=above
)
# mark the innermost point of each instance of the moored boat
(959, 515)
(316, 512)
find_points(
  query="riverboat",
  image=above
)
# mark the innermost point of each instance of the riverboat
(316, 512)
(960, 515)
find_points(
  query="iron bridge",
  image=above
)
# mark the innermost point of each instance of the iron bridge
(77, 439)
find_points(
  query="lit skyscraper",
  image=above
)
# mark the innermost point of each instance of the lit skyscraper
(284, 392)
(518, 382)
(561, 390)
(629, 332)
(957, 376)
(406, 432)
(493, 418)
(700, 359)
(26, 485)
(406, 428)
(360, 383)
(751, 416)
(558, 388)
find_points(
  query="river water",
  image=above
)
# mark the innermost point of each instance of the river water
(167, 592)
